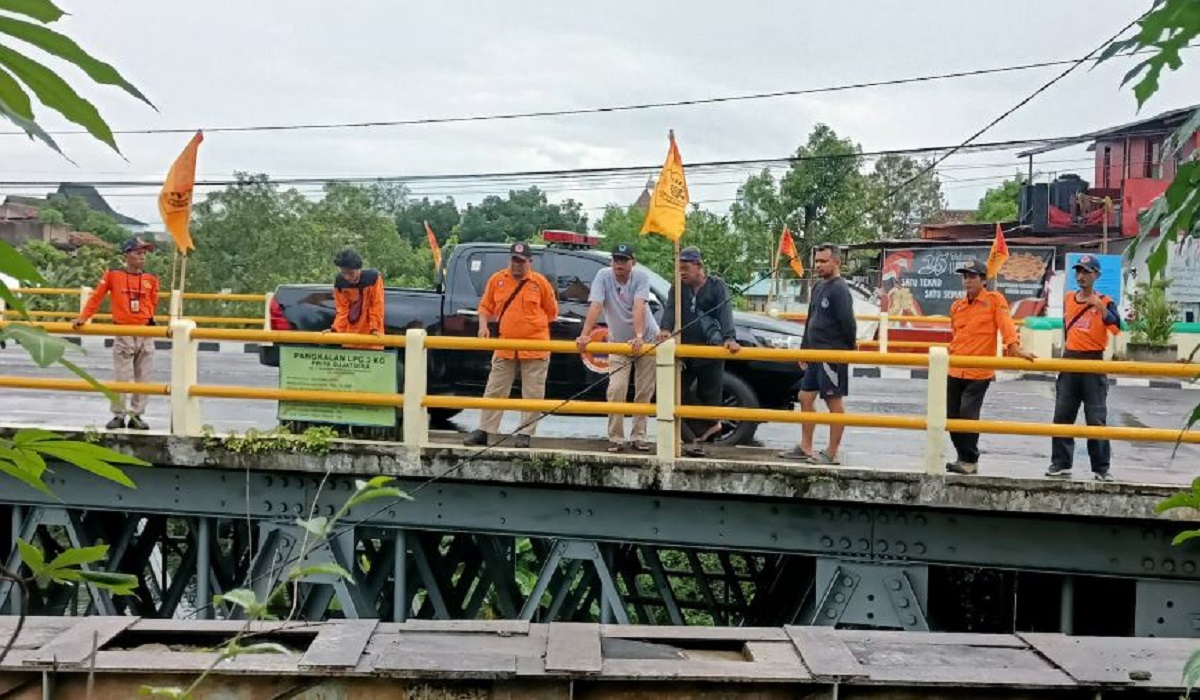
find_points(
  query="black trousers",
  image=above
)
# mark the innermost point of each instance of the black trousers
(1091, 391)
(964, 399)
(702, 384)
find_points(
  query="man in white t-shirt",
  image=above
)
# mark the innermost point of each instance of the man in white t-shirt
(621, 292)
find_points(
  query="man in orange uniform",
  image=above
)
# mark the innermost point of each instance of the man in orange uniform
(1089, 318)
(523, 303)
(358, 297)
(134, 297)
(974, 322)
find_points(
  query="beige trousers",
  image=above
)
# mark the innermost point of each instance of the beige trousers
(133, 360)
(499, 385)
(621, 367)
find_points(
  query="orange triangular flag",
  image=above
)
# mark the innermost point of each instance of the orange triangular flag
(175, 200)
(998, 255)
(787, 248)
(433, 245)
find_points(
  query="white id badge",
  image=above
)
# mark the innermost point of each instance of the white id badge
(134, 305)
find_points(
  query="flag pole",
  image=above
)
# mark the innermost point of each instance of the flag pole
(182, 282)
(678, 292)
(774, 273)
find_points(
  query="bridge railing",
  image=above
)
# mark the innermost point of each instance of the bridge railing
(184, 389)
(175, 301)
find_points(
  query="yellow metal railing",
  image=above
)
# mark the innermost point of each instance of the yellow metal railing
(184, 391)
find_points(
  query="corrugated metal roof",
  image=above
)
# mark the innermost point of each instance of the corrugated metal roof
(1132, 128)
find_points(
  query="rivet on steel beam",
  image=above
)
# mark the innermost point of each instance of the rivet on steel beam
(839, 597)
(881, 546)
(831, 614)
(847, 582)
(903, 602)
(894, 584)
(901, 520)
(1189, 567)
(919, 548)
(883, 518)
(827, 514)
(847, 516)
(911, 619)
(920, 520)
(1148, 564)
(826, 541)
(901, 547)
(1168, 565)
(864, 544)
(845, 542)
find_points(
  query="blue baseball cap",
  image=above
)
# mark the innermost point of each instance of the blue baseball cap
(623, 250)
(135, 244)
(1087, 263)
(690, 254)
(520, 250)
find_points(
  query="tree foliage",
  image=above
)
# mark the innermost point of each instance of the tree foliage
(901, 216)
(520, 216)
(1000, 203)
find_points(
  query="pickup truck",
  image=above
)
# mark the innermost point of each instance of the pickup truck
(451, 309)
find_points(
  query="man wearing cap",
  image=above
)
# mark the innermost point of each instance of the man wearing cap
(621, 292)
(522, 303)
(1089, 318)
(975, 320)
(358, 297)
(134, 298)
(707, 316)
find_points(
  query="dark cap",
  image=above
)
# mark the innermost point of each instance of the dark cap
(135, 244)
(623, 250)
(520, 250)
(1087, 263)
(348, 259)
(972, 267)
(690, 254)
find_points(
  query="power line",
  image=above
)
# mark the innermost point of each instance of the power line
(534, 114)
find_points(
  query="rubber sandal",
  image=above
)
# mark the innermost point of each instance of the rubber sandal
(639, 446)
(798, 455)
(614, 447)
(823, 457)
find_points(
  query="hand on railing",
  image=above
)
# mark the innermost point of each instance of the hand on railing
(1018, 351)
(77, 323)
(732, 346)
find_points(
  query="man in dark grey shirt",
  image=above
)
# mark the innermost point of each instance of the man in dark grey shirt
(830, 326)
(707, 320)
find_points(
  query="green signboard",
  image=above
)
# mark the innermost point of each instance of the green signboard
(337, 369)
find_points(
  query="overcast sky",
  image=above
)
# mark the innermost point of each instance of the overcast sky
(214, 63)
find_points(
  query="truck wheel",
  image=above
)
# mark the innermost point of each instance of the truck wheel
(736, 393)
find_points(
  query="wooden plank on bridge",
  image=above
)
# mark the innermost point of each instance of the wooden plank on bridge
(825, 654)
(1119, 661)
(74, 646)
(917, 661)
(654, 633)
(339, 644)
(702, 670)
(574, 647)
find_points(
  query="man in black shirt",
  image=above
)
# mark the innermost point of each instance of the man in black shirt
(707, 320)
(830, 326)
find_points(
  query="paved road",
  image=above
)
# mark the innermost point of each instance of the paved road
(1027, 401)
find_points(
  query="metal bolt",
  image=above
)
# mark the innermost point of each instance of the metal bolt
(903, 602)
(920, 520)
(919, 548)
(901, 547)
(1189, 567)
(882, 519)
(845, 543)
(826, 541)
(1169, 565)
(847, 582)
(910, 619)
(894, 584)
(839, 597)
(864, 544)
(847, 516)
(881, 546)
(827, 514)
(1148, 564)
(901, 520)
(831, 614)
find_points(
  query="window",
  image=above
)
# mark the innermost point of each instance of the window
(573, 276)
(482, 265)
(1154, 160)
(1107, 168)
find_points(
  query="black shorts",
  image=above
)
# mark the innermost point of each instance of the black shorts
(827, 379)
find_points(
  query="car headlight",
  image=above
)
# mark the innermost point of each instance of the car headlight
(771, 339)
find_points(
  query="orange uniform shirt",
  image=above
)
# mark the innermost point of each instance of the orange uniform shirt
(134, 297)
(1090, 332)
(359, 306)
(974, 324)
(528, 316)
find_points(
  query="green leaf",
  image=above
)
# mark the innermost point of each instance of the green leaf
(118, 584)
(14, 96)
(22, 474)
(1157, 260)
(63, 47)
(327, 568)
(317, 527)
(43, 11)
(13, 264)
(372, 494)
(55, 93)
(77, 556)
(85, 376)
(242, 597)
(1191, 672)
(375, 482)
(1184, 537)
(31, 555)
(31, 129)
(1183, 499)
(86, 461)
(1181, 136)
(43, 348)
(28, 436)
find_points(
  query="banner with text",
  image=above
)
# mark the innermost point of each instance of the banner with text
(923, 281)
(337, 369)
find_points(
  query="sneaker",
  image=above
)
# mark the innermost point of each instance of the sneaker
(1058, 470)
(477, 438)
(1103, 476)
(117, 423)
(967, 468)
(136, 423)
(521, 442)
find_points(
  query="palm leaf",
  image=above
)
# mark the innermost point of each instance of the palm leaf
(55, 93)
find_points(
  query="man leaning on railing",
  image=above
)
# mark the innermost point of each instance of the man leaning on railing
(1088, 319)
(974, 322)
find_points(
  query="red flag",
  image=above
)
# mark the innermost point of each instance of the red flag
(787, 248)
(433, 245)
(998, 255)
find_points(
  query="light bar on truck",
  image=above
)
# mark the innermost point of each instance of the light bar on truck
(570, 238)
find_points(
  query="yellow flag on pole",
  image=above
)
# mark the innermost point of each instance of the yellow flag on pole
(175, 200)
(433, 245)
(667, 214)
